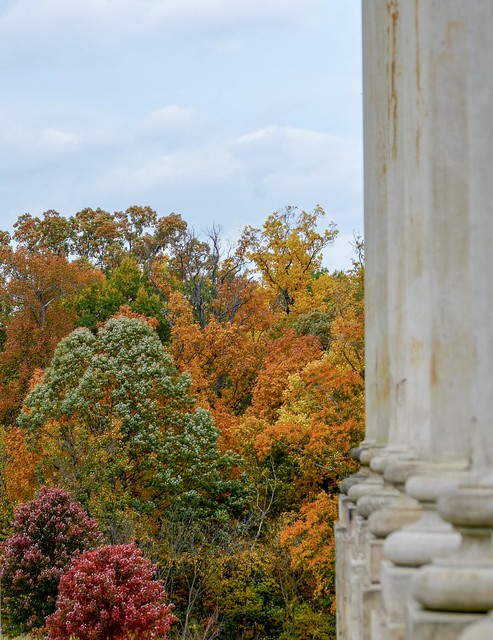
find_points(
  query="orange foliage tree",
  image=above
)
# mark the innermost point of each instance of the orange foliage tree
(34, 285)
(310, 541)
(284, 356)
(223, 357)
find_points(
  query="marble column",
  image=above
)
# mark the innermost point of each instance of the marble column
(415, 266)
(376, 242)
(445, 334)
(353, 580)
(464, 582)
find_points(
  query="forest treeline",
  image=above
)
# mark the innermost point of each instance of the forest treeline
(197, 398)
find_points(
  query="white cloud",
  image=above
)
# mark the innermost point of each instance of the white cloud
(168, 116)
(58, 29)
(292, 161)
(188, 168)
(53, 141)
(170, 126)
(36, 138)
(292, 146)
(259, 171)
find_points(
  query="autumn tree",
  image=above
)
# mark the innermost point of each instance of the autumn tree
(219, 320)
(50, 233)
(111, 593)
(117, 425)
(245, 591)
(35, 283)
(48, 532)
(134, 221)
(320, 419)
(126, 285)
(320, 407)
(348, 328)
(222, 357)
(97, 236)
(285, 355)
(153, 247)
(260, 334)
(287, 252)
(321, 413)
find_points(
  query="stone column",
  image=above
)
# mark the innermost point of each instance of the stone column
(464, 582)
(410, 209)
(352, 578)
(437, 332)
(376, 243)
(443, 326)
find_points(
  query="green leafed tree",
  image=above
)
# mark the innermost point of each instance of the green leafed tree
(115, 423)
(126, 285)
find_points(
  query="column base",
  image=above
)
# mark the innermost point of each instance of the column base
(482, 630)
(452, 585)
(463, 581)
(436, 625)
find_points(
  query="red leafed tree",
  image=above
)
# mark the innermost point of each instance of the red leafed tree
(47, 533)
(110, 593)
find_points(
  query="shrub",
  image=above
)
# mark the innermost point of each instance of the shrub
(110, 593)
(48, 532)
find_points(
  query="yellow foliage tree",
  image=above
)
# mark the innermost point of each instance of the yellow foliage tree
(287, 252)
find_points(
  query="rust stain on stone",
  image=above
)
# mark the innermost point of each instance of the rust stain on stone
(448, 52)
(452, 28)
(418, 78)
(435, 378)
(418, 53)
(393, 11)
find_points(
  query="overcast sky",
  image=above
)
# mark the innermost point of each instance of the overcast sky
(220, 110)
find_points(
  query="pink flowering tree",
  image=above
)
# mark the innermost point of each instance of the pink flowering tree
(48, 532)
(110, 593)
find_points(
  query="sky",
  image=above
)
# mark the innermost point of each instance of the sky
(223, 111)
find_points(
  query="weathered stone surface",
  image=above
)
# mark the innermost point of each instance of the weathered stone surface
(428, 152)
(482, 630)
(417, 544)
(402, 511)
(464, 580)
(396, 590)
(367, 504)
(435, 625)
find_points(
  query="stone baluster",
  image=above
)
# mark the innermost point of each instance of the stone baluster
(482, 630)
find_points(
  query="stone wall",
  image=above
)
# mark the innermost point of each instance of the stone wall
(414, 553)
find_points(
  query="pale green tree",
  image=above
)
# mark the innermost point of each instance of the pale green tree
(114, 422)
